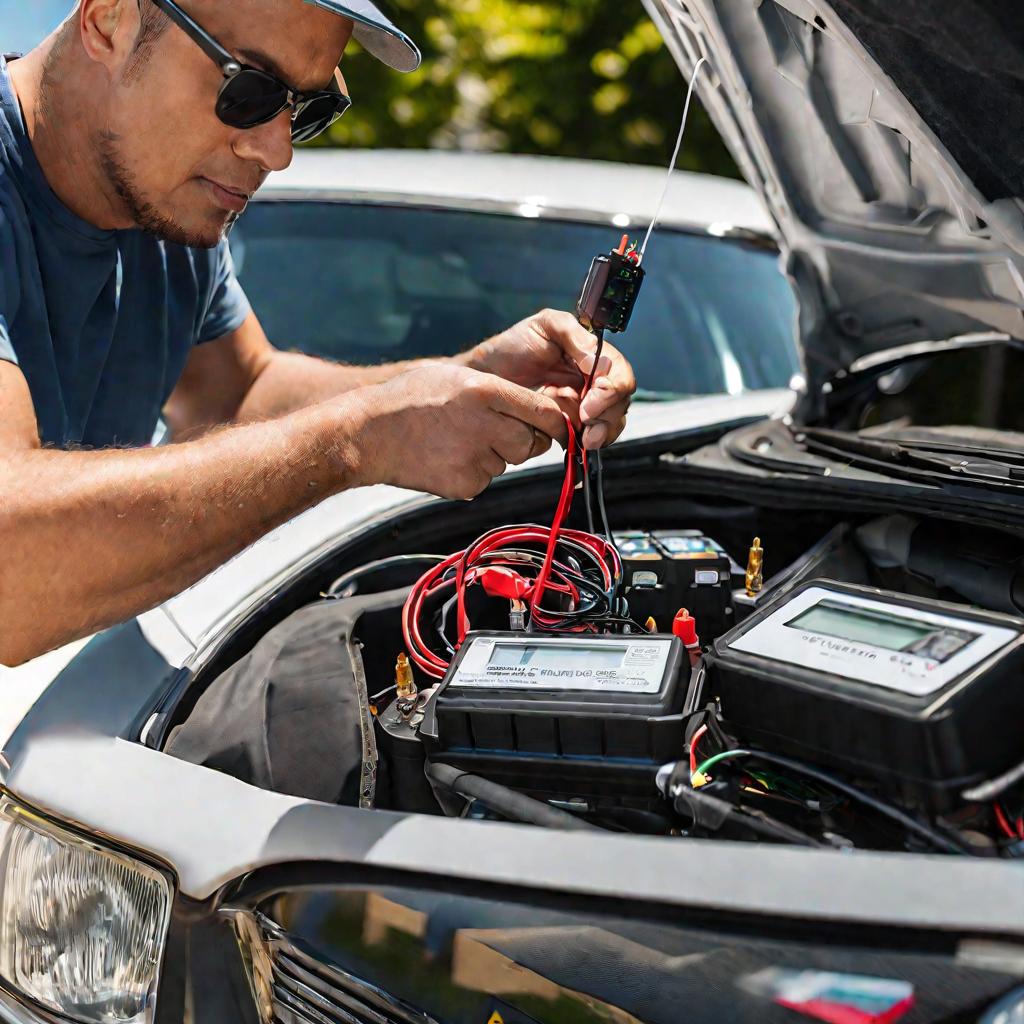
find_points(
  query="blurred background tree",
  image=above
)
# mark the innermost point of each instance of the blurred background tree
(582, 78)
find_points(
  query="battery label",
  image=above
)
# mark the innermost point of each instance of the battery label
(612, 667)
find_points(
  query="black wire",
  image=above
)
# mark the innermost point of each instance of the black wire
(588, 503)
(587, 500)
(600, 498)
(599, 334)
(597, 458)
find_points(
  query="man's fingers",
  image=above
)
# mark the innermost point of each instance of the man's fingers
(520, 442)
(568, 400)
(595, 436)
(572, 338)
(531, 407)
(607, 392)
(493, 463)
(606, 429)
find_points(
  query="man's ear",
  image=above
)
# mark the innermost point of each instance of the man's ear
(109, 30)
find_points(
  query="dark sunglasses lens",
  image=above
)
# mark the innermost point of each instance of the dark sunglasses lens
(317, 115)
(250, 98)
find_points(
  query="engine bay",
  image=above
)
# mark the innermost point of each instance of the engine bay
(740, 673)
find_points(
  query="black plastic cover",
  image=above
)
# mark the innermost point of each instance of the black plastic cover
(926, 748)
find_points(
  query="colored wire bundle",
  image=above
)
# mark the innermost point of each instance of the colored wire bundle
(935, 838)
(566, 581)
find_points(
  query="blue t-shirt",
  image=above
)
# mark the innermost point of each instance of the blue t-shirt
(100, 322)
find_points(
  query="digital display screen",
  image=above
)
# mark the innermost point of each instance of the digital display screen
(843, 622)
(557, 656)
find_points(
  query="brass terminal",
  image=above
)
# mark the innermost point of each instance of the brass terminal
(755, 560)
(650, 625)
(404, 682)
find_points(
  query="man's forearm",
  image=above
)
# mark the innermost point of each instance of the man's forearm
(96, 537)
(294, 381)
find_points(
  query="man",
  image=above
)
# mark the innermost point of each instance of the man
(129, 141)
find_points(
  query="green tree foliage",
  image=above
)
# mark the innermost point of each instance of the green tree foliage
(580, 78)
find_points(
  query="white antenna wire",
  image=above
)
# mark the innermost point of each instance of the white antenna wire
(675, 157)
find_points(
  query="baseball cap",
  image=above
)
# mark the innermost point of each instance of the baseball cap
(376, 33)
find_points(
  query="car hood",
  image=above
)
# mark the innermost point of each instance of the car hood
(886, 140)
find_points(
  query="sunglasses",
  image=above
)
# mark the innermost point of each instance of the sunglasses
(250, 97)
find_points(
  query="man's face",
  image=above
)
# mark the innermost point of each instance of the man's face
(181, 173)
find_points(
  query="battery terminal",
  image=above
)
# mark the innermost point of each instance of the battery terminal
(755, 572)
(404, 682)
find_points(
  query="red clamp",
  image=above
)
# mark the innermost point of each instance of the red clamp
(500, 582)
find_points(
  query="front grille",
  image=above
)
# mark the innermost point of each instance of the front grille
(306, 990)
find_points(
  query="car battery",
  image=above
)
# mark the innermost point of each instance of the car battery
(590, 716)
(671, 569)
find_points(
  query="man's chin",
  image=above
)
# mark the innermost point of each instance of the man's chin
(207, 233)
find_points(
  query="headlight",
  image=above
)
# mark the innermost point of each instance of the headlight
(82, 928)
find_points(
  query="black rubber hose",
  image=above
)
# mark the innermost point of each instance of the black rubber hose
(507, 802)
(771, 828)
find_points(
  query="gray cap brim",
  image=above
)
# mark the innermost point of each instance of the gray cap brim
(376, 33)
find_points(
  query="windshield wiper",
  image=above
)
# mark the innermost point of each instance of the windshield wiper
(918, 458)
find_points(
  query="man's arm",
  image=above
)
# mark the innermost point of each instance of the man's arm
(92, 538)
(241, 377)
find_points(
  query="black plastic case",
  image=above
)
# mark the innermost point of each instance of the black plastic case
(560, 742)
(660, 579)
(926, 749)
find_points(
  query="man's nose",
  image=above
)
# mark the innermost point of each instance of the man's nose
(269, 145)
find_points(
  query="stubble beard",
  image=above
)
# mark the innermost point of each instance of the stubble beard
(145, 215)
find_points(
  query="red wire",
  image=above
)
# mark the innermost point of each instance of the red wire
(475, 559)
(693, 748)
(1004, 824)
(564, 504)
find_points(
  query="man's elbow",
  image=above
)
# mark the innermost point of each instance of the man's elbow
(15, 648)
(18, 644)
(21, 618)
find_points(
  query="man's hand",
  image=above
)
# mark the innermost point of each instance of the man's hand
(449, 430)
(552, 352)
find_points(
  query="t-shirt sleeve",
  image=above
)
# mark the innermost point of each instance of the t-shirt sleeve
(228, 306)
(7, 353)
(8, 289)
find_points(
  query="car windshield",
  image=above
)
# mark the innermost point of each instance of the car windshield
(374, 283)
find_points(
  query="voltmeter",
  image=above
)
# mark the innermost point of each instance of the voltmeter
(591, 715)
(912, 692)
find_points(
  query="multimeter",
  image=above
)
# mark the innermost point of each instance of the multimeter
(909, 691)
(610, 290)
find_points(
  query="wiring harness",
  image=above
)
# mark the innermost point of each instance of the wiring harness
(791, 783)
(556, 580)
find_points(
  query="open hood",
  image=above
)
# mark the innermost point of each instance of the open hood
(887, 139)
